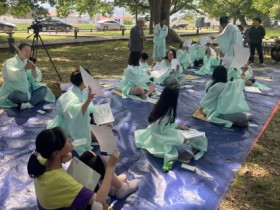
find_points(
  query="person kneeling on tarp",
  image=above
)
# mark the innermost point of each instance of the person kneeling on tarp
(224, 101)
(56, 189)
(163, 137)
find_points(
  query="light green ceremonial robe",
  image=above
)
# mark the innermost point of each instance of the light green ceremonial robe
(16, 78)
(71, 118)
(160, 34)
(209, 63)
(184, 58)
(200, 51)
(167, 64)
(230, 36)
(193, 52)
(163, 140)
(133, 76)
(224, 98)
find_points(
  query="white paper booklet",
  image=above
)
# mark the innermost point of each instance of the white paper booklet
(241, 56)
(192, 133)
(174, 63)
(105, 138)
(158, 70)
(83, 173)
(203, 40)
(187, 43)
(93, 83)
(103, 114)
(252, 89)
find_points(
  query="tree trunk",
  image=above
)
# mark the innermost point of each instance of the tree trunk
(266, 20)
(157, 8)
(242, 21)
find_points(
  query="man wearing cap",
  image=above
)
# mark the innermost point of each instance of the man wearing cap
(229, 36)
(137, 36)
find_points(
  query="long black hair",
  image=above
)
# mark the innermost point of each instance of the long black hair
(134, 58)
(219, 75)
(166, 105)
(47, 142)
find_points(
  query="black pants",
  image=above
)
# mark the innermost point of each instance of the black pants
(259, 48)
(95, 162)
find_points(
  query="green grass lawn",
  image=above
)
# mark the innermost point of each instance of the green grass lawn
(257, 185)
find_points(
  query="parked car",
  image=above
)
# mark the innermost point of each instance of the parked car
(54, 25)
(7, 26)
(109, 25)
(177, 23)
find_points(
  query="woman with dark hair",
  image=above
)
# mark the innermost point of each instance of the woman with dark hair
(224, 101)
(136, 81)
(22, 79)
(56, 189)
(174, 73)
(163, 137)
(73, 108)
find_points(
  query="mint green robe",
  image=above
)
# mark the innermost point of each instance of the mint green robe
(163, 140)
(16, 78)
(167, 64)
(230, 36)
(184, 58)
(224, 98)
(160, 34)
(209, 63)
(71, 119)
(200, 51)
(193, 52)
(133, 76)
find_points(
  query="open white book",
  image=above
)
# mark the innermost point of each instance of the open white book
(93, 83)
(105, 138)
(192, 133)
(158, 70)
(252, 89)
(103, 114)
(187, 43)
(83, 173)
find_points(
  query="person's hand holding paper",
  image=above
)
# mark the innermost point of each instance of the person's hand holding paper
(105, 138)
(93, 83)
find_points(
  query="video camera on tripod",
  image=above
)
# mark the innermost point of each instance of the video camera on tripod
(36, 26)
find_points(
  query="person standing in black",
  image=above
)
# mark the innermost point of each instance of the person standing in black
(256, 35)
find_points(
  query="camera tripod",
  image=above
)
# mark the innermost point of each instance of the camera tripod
(34, 49)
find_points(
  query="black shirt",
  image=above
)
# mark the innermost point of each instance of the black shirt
(256, 34)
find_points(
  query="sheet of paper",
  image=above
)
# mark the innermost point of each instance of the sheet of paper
(203, 40)
(158, 70)
(252, 89)
(192, 133)
(105, 138)
(83, 173)
(103, 114)
(187, 43)
(187, 86)
(174, 63)
(241, 56)
(93, 83)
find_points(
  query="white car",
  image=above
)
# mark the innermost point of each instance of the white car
(7, 26)
(106, 25)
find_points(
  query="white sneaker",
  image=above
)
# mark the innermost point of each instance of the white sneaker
(263, 64)
(26, 105)
(126, 189)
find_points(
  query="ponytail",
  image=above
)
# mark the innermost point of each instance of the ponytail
(34, 167)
